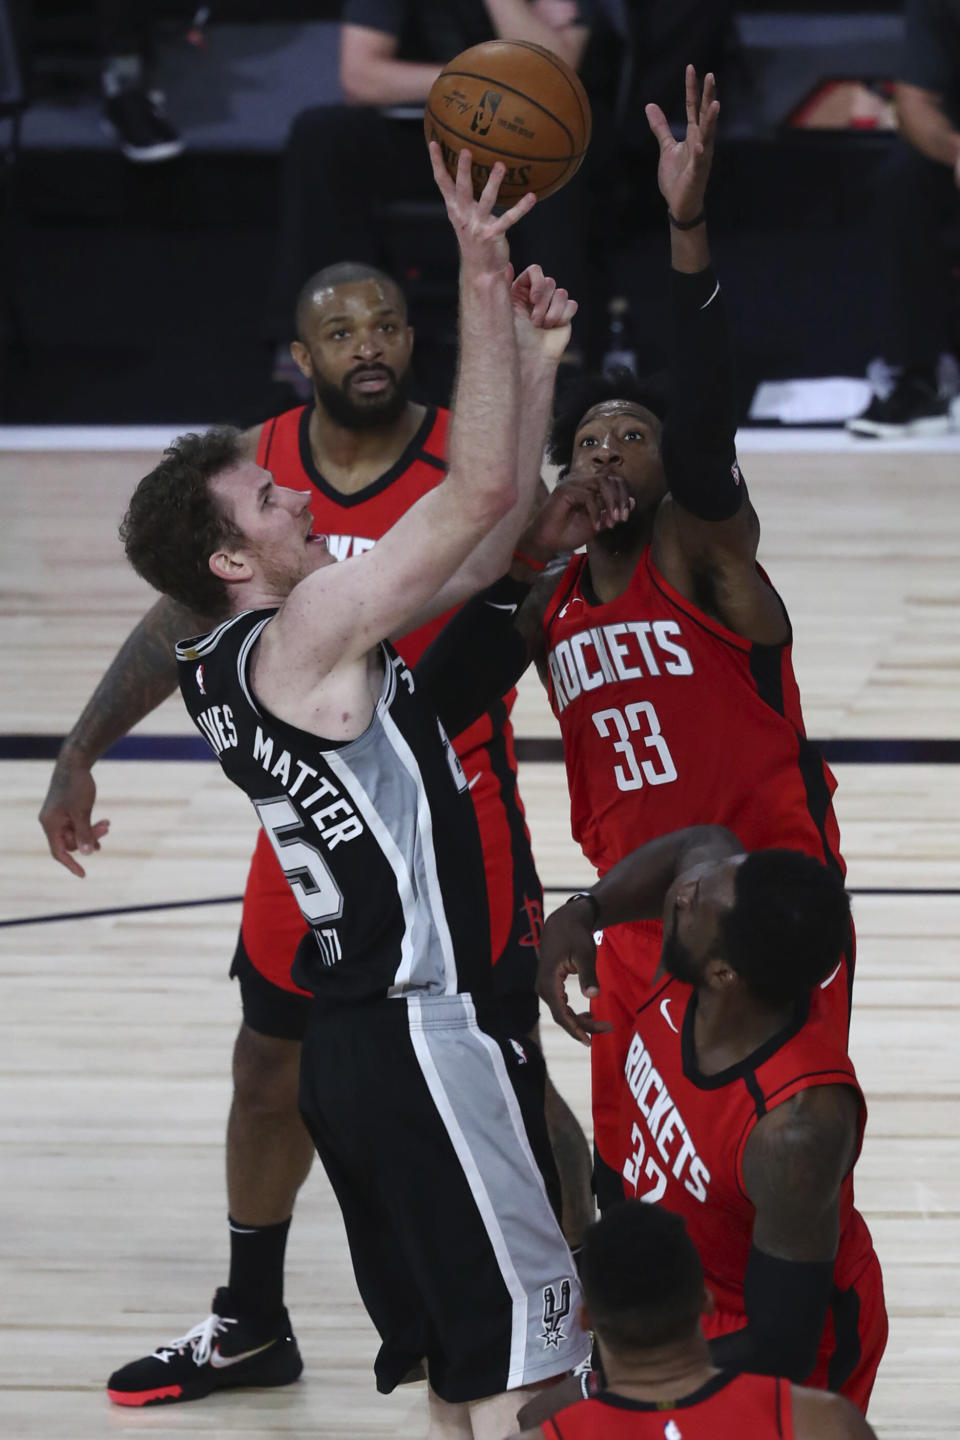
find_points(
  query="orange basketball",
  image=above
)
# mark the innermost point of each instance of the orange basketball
(511, 101)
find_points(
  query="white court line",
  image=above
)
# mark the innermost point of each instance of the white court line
(790, 440)
(92, 437)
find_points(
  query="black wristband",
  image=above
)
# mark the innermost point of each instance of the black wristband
(593, 902)
(687, 224)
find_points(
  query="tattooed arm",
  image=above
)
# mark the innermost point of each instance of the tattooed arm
(141, 676)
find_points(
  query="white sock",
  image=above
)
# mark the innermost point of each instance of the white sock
(448, 1422)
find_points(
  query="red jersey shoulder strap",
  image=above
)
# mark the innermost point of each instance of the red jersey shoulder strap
(434, 445)
(803, 1063)
(565, 587)
(280, 434)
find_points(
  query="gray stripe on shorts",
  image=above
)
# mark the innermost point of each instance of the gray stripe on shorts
(468, 1081)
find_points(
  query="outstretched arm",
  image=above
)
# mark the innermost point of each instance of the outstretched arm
(141, 676)
(705, 540)
(634, 889)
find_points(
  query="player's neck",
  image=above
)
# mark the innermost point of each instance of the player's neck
(727, 1031)
(611, 574)
(350, 460)
(663, 1373)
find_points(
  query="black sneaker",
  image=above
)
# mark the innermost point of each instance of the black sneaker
(144, 132)
(913, 407)
(222, 1352)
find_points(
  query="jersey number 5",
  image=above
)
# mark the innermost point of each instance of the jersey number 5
(314, 888)
(638, 719)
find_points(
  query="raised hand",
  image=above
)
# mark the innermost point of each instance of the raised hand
(480, 234)
(542, 313)
(66, 816)
(575, 511)
(684, 167)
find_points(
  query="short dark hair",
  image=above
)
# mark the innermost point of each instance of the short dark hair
(641, 1276)
(789, 925)
(174, 522)
(343, 272)
(583, 394)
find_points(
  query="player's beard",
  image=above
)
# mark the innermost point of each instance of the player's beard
(375, 412)
(677, 959)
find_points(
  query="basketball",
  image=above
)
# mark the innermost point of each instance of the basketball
(511, 101)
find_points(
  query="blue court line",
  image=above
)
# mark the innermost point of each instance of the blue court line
(843, 751)
(236, 899)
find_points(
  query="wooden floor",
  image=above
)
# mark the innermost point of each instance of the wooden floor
(116, 1030)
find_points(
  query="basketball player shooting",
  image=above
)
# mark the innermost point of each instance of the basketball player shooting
(426, 1119)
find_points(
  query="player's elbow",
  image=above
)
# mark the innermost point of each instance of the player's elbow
(356, 86)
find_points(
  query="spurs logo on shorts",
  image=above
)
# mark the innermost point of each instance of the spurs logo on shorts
(554, 1315)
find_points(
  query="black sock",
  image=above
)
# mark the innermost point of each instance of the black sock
(256, 1266)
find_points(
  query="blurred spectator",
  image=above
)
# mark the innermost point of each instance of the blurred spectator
(919, 189)
(131, 108)
(344, 163)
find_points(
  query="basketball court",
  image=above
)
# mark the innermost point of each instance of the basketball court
(119, 1021)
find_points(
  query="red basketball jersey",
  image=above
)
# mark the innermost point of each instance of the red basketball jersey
(728, 1407)
(354, 523)
(669, 719)
(683, 1133)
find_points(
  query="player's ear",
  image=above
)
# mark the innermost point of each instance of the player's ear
(709, 1302)
(301, 358)
(229, 566)
(585, 1322)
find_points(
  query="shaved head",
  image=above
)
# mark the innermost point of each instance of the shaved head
(317, 292)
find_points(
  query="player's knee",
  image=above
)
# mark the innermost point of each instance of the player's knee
(266, 1071)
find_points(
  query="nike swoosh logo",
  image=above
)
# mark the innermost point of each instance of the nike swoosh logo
(510, 609)
(471, 783)
(832, 976)
(223, 1362)
(665, 1012)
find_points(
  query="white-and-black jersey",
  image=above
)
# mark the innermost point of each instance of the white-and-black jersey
(377, 837)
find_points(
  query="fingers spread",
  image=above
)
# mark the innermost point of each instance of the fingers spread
(658, 124)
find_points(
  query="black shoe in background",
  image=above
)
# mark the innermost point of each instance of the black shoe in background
(913, 408)
(143, 131)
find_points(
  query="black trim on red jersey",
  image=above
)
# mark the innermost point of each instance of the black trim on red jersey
(845, 1307)
(273, 430)
(819, 801)
(745, 1067)
(767, 671)
(753, 1085)
(766, 667)
(413, 452)
(779, 1405)
(696, 1397)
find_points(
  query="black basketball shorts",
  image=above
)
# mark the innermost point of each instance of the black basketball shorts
(430, 1126)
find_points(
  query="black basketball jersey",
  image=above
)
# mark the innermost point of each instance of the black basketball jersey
(377, 837)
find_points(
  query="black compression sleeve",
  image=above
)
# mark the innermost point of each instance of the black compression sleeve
(787, 1303)
(477, 656)
(698, 436)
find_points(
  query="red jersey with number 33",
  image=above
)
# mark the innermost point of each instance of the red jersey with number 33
(729, 1407)
(669, 719)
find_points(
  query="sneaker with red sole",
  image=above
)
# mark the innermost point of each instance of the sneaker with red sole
(223, 1352)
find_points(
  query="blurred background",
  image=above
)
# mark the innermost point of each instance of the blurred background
(154, 169)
